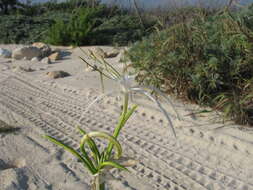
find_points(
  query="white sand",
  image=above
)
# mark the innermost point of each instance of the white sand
(208, 154)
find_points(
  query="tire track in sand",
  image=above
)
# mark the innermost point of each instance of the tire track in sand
(163, 165)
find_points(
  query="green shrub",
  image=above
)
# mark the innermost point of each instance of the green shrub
(97, 26)
(7, 5)
(71, 23)
(76, 31)
(208, 60)
(120, 30)
(58, 33)
(21, 29)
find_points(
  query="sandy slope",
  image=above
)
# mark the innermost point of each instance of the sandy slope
(208, 154)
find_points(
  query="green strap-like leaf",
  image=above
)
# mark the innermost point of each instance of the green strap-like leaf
(112, 70)
(109, 68)
(92, 145)
(95, 155)
(86, 163)
(87, 158)
(113, 164)
(129, 113)
(82, 132)
(119, 125)
(122, 117)
(95, 68)
(123, 120)
(102, 158)
(105, 136)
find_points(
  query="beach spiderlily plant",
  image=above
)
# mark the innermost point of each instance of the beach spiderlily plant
(128, 87)
(96, 161)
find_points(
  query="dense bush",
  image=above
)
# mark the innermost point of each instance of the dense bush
(7, 5)
(120, 30)
(98, 26)
(24, 29)
(51, 6)
(74, 22)
(208, 60)
(76, 30)
(21, 29)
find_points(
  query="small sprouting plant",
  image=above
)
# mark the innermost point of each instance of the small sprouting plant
(96, 161)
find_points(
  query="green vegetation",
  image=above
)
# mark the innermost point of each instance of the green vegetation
(207, 59)
(21, 29)
(6, 5)
(99, 162)
(97, 26)
(76, 30)
(96, 161)
(121, 30)
(200, 55)
(71, 23)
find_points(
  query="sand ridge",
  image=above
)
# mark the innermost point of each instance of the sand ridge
(208, 153)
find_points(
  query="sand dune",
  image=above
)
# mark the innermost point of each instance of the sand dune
(208, 154)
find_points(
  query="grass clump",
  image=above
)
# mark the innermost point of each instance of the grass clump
(207, 59)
